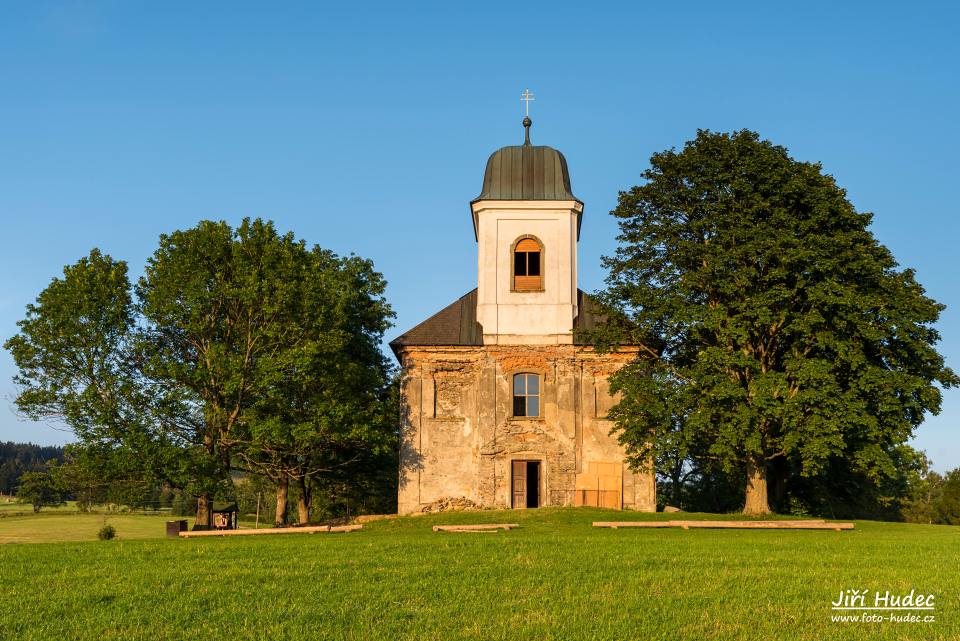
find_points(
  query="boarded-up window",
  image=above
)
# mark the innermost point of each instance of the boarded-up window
(600, 485)
(527, 266)
(446, 398)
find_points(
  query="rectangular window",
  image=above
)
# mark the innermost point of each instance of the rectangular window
(533, 263)
(527, 266)
(526, 395)
(520, 264)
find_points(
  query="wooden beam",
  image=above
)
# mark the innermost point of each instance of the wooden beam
(315, 529)
(811, 524)
(486, 527)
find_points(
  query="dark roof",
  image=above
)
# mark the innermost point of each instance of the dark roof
(527, 172)
(457, 324)
(588, 316)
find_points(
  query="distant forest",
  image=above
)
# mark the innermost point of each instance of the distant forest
(17, 458)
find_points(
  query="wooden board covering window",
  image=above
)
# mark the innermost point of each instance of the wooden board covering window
(600, 485)
(527, 245)
(528, 283)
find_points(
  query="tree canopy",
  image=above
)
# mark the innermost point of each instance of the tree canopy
(39, 489)
(775, 326)
(237, 348)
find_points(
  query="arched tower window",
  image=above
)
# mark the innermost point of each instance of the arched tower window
(526, 395)
(527, 265)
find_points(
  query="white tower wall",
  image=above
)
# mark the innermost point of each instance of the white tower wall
(527, 318)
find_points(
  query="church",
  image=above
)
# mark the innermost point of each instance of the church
(502, 405)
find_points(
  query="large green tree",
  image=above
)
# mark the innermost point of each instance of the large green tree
(754, 285)
(78, 365)
(326, 405)
(72, 349)
(229, 328)
(216, 304)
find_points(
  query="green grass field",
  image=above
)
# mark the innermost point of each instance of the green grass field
(8, 507)
(60, 527)
(554, 578)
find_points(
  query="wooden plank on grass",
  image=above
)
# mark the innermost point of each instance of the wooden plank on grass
(676, 523)
(485, 527)
(273, 530)
(616, 524)
(810, 524)
(768, 525)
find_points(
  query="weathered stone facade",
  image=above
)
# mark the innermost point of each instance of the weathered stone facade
(460, 436)
(473, 433)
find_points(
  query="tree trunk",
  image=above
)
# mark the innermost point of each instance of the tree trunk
(204, 513)
(756, 495)
(205, 501)
(281, 517)
(303, 503)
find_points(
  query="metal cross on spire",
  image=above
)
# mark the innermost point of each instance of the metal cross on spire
(526, 96)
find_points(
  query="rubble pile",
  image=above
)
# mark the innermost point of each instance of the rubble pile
(450, 504)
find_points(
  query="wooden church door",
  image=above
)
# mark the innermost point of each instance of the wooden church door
(526, 484)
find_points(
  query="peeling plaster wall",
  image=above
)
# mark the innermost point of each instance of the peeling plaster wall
(459, 436)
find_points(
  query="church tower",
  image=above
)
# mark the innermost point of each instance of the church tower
(503, 405)
(527, 224)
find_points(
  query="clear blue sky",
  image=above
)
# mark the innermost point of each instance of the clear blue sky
(365, 128)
